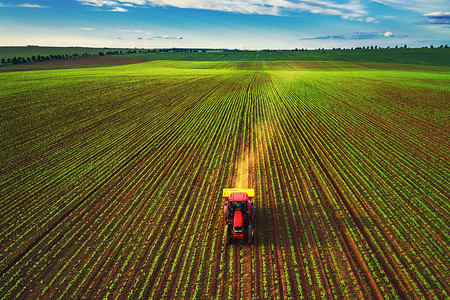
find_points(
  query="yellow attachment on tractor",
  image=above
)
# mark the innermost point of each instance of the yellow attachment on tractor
(227, 192)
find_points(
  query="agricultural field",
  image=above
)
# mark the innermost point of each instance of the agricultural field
(111, 180)
(426, 56)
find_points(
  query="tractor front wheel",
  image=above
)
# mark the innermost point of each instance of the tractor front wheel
(250, 236)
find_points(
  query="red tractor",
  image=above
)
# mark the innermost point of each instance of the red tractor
(238, 211)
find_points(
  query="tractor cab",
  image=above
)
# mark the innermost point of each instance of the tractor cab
(235, 206)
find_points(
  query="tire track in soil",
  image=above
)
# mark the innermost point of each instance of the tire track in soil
(237, 269)
(245, 267)
(254, 286)
(255, 255)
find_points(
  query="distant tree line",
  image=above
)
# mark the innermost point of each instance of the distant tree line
(441, 46)
(34, 58)
(370, 48)
(367, 48)
(323, 49)
(166, 50)
(135, 51)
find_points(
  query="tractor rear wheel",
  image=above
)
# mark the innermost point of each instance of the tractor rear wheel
(249, 234)
(226, 235)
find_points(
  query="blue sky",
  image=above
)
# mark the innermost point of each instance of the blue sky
(251, 24)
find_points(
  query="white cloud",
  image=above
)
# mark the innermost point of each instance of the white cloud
(25, 5)
(356, 36)
(436, 18)
(118, 9)
(166, 37)
(81, 28)
(136, 2)
(437, 14)
(98, 2)
(416, 5)
(352, 9)
(31, 5)
(135, 31)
